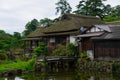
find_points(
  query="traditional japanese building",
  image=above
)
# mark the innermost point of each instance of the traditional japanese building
(101, 41)
(61, 32)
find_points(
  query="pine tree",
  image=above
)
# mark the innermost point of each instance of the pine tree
(92, 8)
(63, 7)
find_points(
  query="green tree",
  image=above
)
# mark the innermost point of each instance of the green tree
(72, 49)
(114, 14)
(41, 49)
(92, 8)
(62, 50)
(63, 7)
(17, 35)
(5, 39)
(116, 11)
(45, 22)
(30, 27)
(10, 42)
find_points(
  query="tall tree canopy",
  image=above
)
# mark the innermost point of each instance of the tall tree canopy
(30, 27)
(92, 8)
(63, 7)
(5, 39)
(8, 41)
(116, 11)
(17, 35)
(45, 22)
(114, 15)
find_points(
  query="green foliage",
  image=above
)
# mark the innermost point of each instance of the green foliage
(93, 8)
(116, 66)
(63, 7)
(114, 15)
(41, 49)
(69, 50)
(18, 65)
(31, 61)
(84, 55)
(116, 11)
(60, 51)
(30, 27)
(45, 22)
(72, 49)
(43, 63)
(111, 18)
(8, 41)
(2, 51)
(5, 39)
(3, 56)
(17, 35)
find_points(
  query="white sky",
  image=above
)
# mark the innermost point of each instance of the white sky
(14, 14)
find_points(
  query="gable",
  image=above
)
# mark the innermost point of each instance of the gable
(95, 29)
(99, 28)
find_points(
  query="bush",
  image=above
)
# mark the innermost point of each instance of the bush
(1, 51)
(72, 49)
(41, 49)
(24, 65)
(69, 50)
(3, 56)
(84, 55)
(31, 61)
(60, 51)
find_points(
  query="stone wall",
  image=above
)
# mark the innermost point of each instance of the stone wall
(102, 66)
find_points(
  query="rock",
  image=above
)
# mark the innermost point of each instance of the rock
(19, 71)
(10, 72)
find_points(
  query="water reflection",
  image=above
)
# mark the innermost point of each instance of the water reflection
(66, 75)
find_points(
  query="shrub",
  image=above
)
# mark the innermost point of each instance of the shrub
(60, 51)
(72, 49)
(1, 51)
(84, 55)
(3, 56)
(18, 65)
(69, 50)
(41, 49)
(31, 61)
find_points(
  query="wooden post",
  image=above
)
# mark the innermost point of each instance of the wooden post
(67, 39)
(31, 48)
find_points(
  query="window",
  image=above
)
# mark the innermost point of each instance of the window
(52, 39)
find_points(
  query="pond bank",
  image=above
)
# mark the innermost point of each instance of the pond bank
(101, 66)
(19, 67)
(58, 65)
(65, 75)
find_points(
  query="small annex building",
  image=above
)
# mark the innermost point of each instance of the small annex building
(61, 32)
(101, 41)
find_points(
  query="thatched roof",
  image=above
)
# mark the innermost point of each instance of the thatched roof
(72, 22)
(68, 24)
(37, 33)
(27, 39)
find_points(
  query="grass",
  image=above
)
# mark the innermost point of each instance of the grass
(18, 65)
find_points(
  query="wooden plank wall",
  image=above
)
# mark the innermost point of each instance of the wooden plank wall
(87, 44)
(107, 49)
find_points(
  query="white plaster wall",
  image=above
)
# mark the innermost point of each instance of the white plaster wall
(72, 39)
(52, 39)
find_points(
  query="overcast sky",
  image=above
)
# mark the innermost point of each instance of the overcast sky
(14, 14)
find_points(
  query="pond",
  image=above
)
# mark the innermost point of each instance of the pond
(66, 75)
